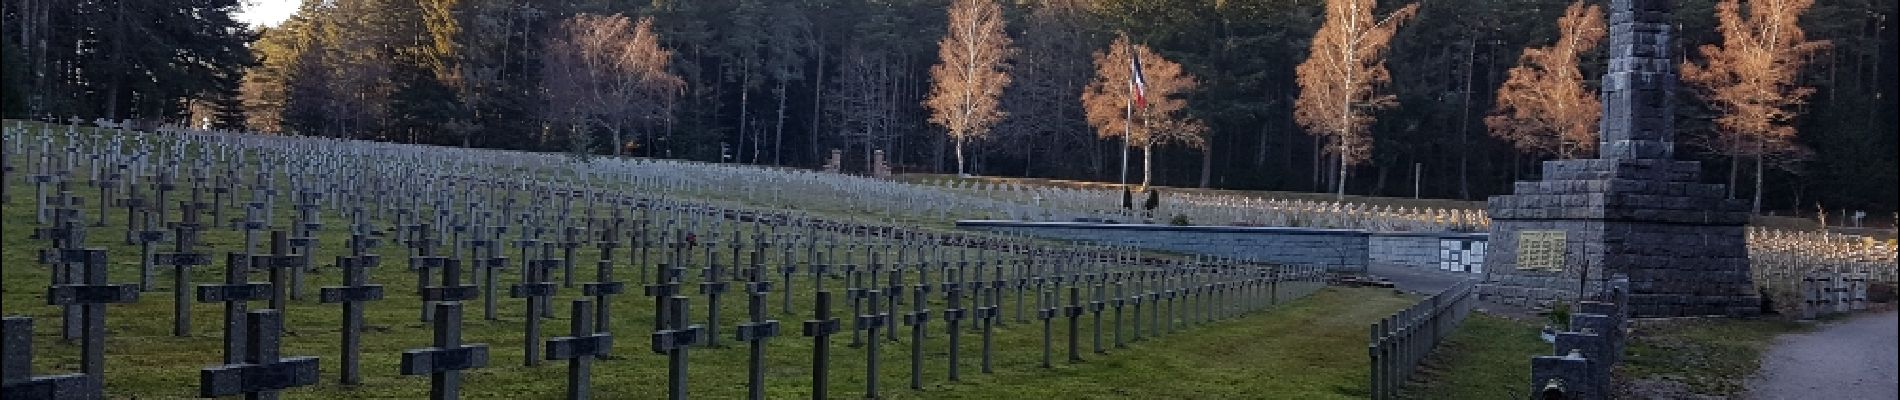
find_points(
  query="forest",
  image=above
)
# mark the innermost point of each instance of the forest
(785, 82)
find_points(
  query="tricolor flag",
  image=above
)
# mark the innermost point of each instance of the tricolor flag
(1137, 84)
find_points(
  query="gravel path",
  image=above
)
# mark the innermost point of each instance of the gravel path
(1853, 359)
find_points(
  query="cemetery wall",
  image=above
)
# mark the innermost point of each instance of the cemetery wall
(1451, 252)
(1332, 248)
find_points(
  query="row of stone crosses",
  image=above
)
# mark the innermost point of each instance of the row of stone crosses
(167, 184)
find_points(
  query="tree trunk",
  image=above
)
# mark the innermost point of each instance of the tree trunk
(937, 161)
(1378, 185)
(778, 134)
(1734, 164)
(1341, 193)
(1758, 188)
(959, 141)
(1207, 164)
(745, 95)
(817, 94)
(1029, 157)
(116, 80)
(1318, 171)
(1464, 124)
(619, 143)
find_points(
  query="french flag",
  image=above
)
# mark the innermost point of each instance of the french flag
(1137, 84)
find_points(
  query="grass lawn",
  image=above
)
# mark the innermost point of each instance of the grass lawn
(1311, 348)
(1713, 356)
(1489, 357)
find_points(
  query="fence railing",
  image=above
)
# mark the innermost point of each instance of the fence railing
(1398, 342)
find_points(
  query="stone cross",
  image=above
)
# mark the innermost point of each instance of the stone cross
(91, 294)
(580, 349)
(1119, 301)
(452, 289)
(252, 222)
(713, 284)
(181, 259)
(873, 321)
(673, 341)
(536, 289)
(987, 313)
(917, 318)
(16, 371)
(234, 293)
(445, 360)
(147, 238)
(278, 262)
(489, 260)
(820, 329)
(755, 333)
(305, 239)
(263, 372)
(1074, 312)
(355, 291)
(604, 287)
(1046, 312)
(953, 315)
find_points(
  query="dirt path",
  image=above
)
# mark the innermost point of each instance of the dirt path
(1852, 359)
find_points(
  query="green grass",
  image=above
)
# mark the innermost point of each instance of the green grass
(1307, 348)
(1489, 357)
(1711, 356)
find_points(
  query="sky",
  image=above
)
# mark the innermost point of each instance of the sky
(267, 12)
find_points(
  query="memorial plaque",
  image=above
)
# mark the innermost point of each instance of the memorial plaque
(1541, 250)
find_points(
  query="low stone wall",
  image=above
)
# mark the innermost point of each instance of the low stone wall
(1331, 248)
(1347, 249)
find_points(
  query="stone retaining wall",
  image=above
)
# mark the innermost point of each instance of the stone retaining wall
(1344, 249)
(1451, 252)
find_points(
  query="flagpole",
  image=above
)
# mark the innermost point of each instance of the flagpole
(1129, 121)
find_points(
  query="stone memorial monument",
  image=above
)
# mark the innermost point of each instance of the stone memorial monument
(1633, 210)
(835, 163)
(880, 168)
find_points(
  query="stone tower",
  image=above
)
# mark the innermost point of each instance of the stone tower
(1633, 210)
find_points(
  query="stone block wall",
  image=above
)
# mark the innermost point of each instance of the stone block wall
(1450, 252)
(1338, 249)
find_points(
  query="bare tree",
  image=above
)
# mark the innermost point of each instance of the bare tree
(607, 72)
(971, 73)
(1339, 79)
(1052, 65)
(1543, 107)
(861, 95)
(1148, 111)
(1751, 79)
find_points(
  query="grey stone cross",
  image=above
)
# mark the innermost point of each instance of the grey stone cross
(234, 293)
(580, 349)
(755, 333)
(181, 259)
(673, 341)
(448, 357)
(355, 291)
(263, 372)
(820, 329)
(16, 371)
(91, 294)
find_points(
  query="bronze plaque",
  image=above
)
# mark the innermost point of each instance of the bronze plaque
(1541, 250)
